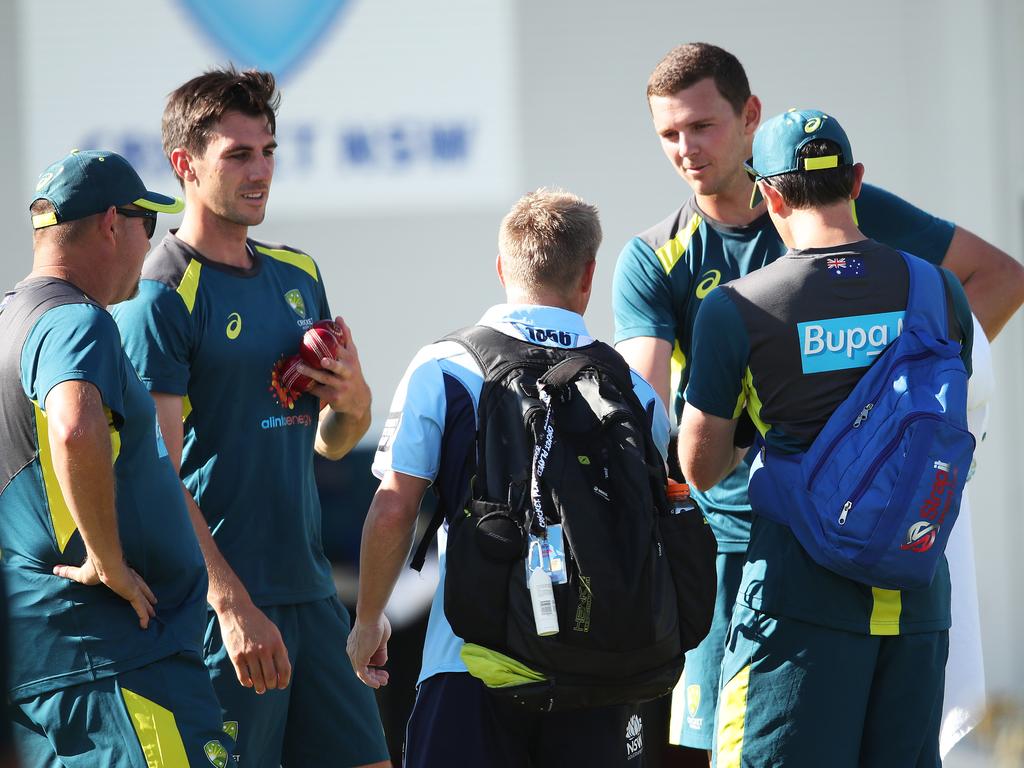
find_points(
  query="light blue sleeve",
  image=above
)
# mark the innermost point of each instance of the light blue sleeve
(660, 425)
(411, 440)
(75, 342)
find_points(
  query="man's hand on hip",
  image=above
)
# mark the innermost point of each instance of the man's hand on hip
(120, 578)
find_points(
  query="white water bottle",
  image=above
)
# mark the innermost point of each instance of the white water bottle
(542, 595)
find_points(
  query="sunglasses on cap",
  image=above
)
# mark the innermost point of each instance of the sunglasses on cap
(148, 217)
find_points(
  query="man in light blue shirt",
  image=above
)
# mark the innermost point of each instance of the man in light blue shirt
(546, 263)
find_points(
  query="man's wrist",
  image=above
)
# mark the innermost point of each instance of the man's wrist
(227, 602)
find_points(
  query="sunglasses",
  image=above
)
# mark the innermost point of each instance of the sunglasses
(148, 217)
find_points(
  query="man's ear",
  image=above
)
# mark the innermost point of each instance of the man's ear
(858, 180)
(181, 162)
(751, 115)
(497, 266)
(772, 197)
(106, 222)
(587, 278)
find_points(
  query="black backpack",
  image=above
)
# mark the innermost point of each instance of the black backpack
(570, 418)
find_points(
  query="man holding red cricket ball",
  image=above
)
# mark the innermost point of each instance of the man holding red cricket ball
(234, 340)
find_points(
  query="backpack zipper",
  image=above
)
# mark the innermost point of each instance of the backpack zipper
(861, 418)
(882, 455)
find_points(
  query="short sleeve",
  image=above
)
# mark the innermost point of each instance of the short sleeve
(75, 342)
(889, 219)
(157, 332)
(642, 295)
(720, 352)
(411, 440)
(321, 291)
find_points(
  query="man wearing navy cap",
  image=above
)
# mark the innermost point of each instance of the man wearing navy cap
(105, 579)
(819, 669)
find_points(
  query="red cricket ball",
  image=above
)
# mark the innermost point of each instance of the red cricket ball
(322, 340)
(292, 379)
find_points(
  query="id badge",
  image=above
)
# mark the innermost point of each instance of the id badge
(549, 554)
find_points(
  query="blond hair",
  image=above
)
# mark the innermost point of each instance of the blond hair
(547, 239)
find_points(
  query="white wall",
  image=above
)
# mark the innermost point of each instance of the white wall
(929, 91)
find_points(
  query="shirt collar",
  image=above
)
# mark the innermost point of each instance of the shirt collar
(560, 327)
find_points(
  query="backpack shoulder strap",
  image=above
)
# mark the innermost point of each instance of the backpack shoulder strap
(492, 351)
(926, 300)
(605, 358)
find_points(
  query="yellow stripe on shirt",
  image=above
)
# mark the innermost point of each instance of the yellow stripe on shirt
(300, 260)
(671, 252)
(189, 285)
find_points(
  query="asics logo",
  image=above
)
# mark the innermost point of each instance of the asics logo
(234, 326)
(709, 280)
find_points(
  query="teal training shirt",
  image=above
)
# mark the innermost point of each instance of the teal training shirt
(663, 275)
(65, 633)
(214, 334)
(752, 350)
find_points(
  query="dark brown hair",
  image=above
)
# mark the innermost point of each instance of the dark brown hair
(195, 107)
(688, 64)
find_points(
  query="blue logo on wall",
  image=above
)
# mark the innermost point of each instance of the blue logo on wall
(272, 35)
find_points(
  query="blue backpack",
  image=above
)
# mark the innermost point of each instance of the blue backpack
(875, 496)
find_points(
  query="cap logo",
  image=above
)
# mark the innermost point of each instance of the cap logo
(46, 178)
(812, 125)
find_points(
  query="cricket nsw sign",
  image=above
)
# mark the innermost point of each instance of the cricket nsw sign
(386, 106)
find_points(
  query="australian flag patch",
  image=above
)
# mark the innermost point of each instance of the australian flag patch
(845, 266)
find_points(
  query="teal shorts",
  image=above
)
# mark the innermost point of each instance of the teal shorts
(696, 695)
(326, 715)
(796, 694)
(164, 713)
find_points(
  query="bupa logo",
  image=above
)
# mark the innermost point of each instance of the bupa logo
(275, 38)
(634, 737)
(846, 342)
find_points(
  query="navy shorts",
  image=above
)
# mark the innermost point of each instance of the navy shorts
(325, 717)
(456, 721)
(164, 714)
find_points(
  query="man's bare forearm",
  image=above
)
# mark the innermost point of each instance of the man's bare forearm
(338, 433)
(992, 279)
(226, 590)
(79, 434)
(387, 538)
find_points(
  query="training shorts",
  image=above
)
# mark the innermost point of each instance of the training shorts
(798, 695)
(162, 714)
(325, 717)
